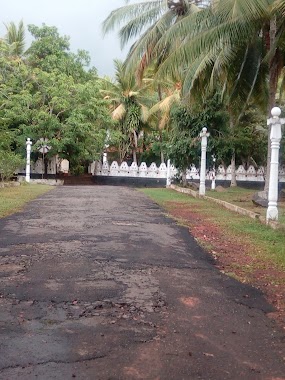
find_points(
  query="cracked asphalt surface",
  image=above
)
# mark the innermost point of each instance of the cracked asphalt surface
(97, 283)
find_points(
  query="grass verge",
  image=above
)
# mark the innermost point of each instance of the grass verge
(13, 199)
(243, 198)
(264, 242)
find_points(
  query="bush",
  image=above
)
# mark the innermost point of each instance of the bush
(77, 170)
(9, 163)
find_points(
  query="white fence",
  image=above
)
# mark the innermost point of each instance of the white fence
(153, 171)
(56, 165)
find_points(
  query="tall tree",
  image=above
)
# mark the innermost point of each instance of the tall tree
(15, 39)
(51, 95)
(152, 19)
(234, 32)
(129, 103)
(207, 44)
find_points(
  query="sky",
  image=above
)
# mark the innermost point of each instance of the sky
(81, 20)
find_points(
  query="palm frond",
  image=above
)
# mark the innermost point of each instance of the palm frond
(143, 50)
(15, 38)
(165, 104)
(240, 9)
(279, 6)
(145, 114)
(119, 112)
(147, 12)
(136, 25)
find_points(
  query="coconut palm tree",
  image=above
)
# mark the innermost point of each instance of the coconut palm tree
(15, 39)
(210, 44)
(129, 104)
(237, 68)
(157, 16)
(250, 25)
(233, 28)
(148, 20)
(168, 95)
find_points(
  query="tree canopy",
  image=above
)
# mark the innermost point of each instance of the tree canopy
(234, 47)
(47, 92)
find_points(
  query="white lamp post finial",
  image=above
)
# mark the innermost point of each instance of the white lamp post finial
(276, 112)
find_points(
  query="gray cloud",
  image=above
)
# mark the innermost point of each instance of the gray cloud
(81, 20)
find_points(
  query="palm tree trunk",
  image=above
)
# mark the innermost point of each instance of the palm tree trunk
(161, 152)
(233, 170)
(160, 133)
(233, 158)
(135, 145)
(183, 178)
(273, 81)
(122, 151)
(134, 156)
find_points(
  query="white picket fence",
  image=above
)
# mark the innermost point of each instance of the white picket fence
(153, 171)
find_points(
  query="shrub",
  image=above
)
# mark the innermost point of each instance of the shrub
(9, 163)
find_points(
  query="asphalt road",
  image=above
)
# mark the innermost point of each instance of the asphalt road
(97, 283)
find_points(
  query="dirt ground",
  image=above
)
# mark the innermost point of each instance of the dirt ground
(97, 283)
(231, 256)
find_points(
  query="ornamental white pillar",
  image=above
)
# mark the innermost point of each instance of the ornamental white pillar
(28, 161)
(204, 137)
(275, 137)
(213, 185)
(168, 175)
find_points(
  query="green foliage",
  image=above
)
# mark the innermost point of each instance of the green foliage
(51, 95)
(235, 46)
(9, 163)
(15, 39)
(128, 100)
(133, 117)
(47, 47)
(152, 145)
(183, 147)
(77, 169)
(50, 52)
(249, 139)
(181, 142)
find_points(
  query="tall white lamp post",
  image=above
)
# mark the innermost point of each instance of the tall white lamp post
(275, 137)
(28, 161)
(204, 137)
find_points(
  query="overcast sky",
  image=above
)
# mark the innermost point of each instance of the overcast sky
(79, 19)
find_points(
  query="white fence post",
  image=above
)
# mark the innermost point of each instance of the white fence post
(275, 137)
(204, 136)
(28, 161)
(168, 175)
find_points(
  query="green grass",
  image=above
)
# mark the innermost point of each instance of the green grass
(13, 199)
(267, 244)
(232, 193)
(243, 198)
(164, 195)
